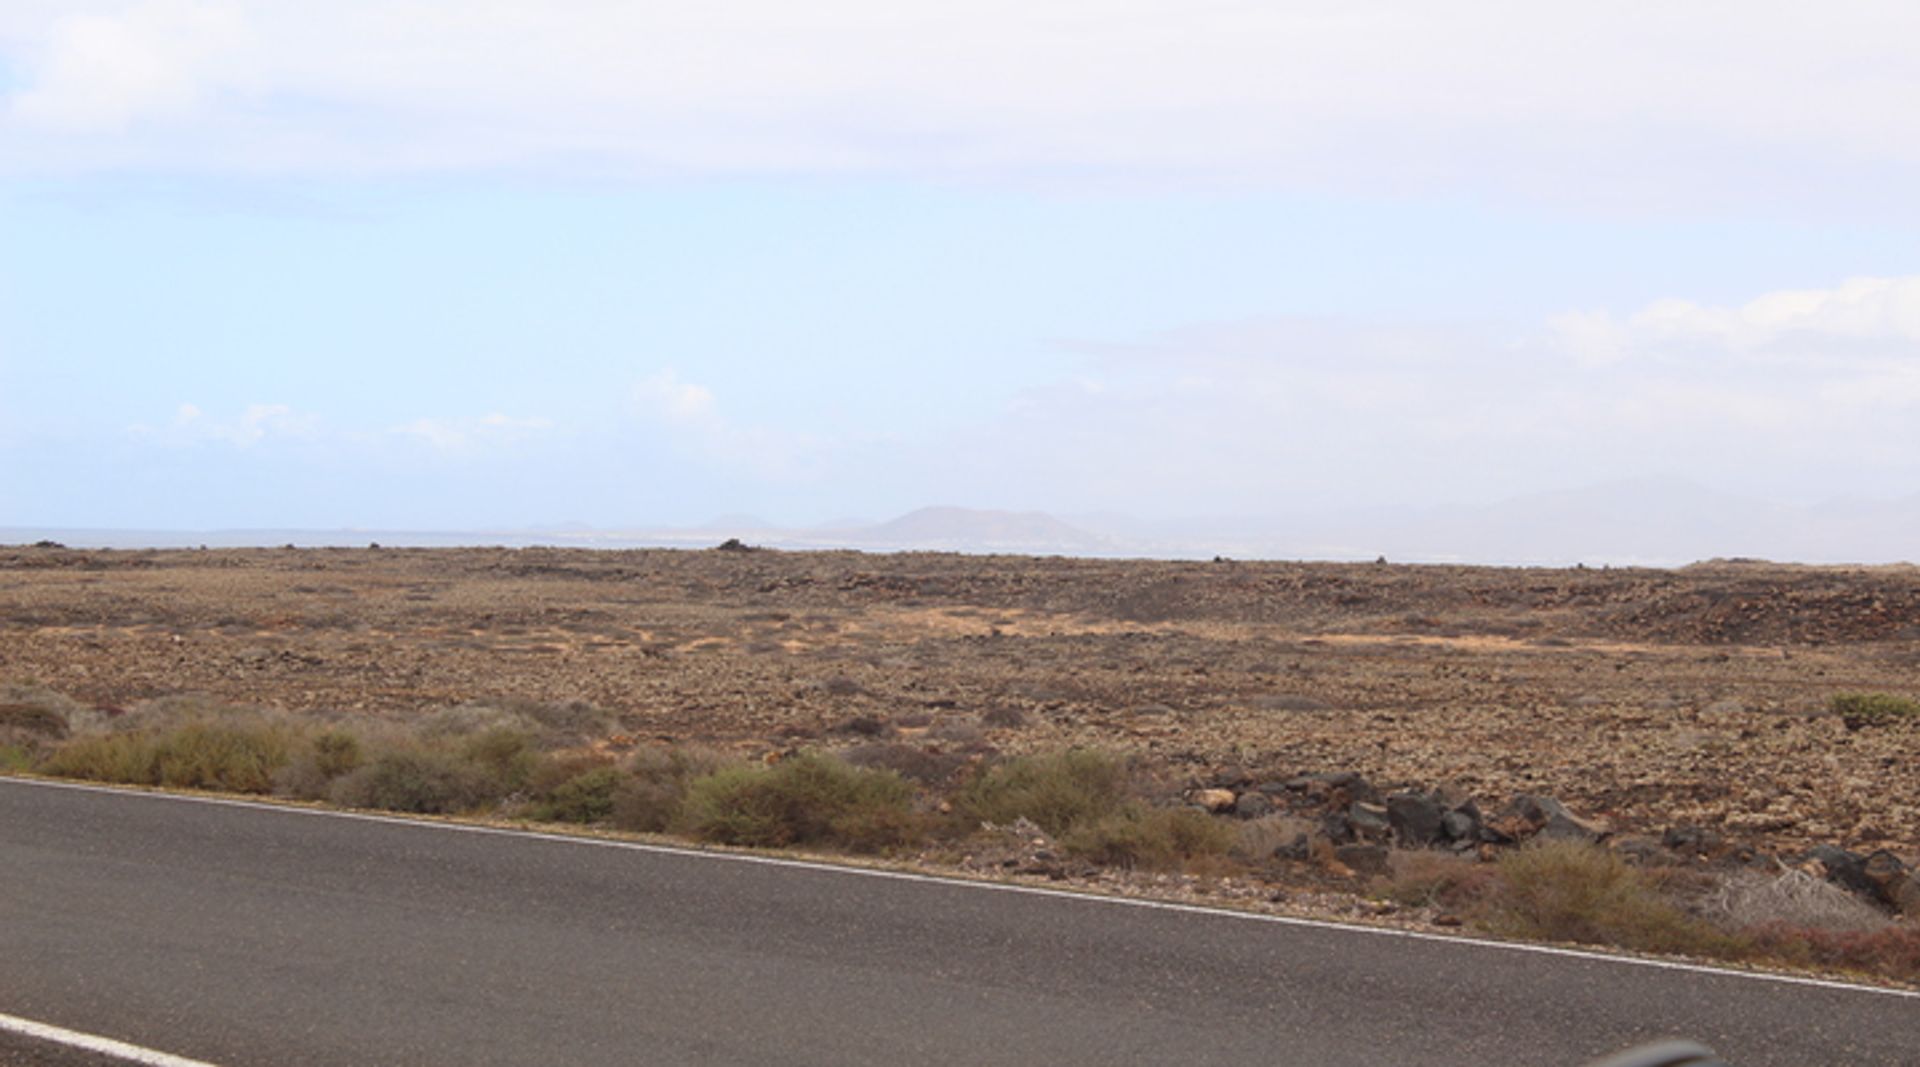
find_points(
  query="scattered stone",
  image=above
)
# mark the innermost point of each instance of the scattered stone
(1693, 841)
(1642, 851)
(1462, 823)
(1369, 821)
(1531, 814)
(1299, 849)
(1415, 819)
(1216, 801)
(1253, 805)
(1842, 868)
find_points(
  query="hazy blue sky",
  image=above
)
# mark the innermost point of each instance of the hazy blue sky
(408, 264)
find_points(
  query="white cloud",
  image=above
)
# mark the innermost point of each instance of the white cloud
(254, 424)
(257, 424)
(1637, 103)
(692, 415)
(1874, 310)
(1263, 417)
(666, 396)
(463, 434)
(97, 72)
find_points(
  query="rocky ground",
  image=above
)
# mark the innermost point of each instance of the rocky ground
(1642, 700)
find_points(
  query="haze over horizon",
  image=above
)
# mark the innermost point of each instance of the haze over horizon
(401, 265)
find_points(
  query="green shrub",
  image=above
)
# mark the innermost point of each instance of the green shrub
(1056, 791)
(1137, 836)
(506, 754)
(1860, 710)
(15, 758)
(332, 754)
(236, 756)
(1575, 891)
(128, 757)
(422, 781)
(810, 799)
(650, 798)
(586, 797)
(337, 752)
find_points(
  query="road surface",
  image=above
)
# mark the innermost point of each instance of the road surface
(247, 935)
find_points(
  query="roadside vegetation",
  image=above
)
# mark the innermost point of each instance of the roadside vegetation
(1074, 812)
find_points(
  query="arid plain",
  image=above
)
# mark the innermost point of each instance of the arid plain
(1645, 698)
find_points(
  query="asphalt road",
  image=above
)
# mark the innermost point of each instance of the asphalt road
(246, 936)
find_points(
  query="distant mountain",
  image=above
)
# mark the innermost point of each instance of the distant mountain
(1655, 522)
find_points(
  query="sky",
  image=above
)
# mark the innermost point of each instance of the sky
(398, 264)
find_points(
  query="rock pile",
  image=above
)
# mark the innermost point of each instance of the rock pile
(1354, 826)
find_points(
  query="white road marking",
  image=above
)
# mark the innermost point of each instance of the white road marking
(1000, 887)
(105, 1046)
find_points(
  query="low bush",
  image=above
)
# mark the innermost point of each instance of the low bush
(126, 757)
(234, 754)
(417, 780)
(1892, 951)
(586, 797)
(506, 755)
(810, 799)
(310, 774)
(238, 753)
(1056, 791)
(15, 758)
(1456, 884)
(1160, 838)
(32, 721)
(1788, 899)
(44, 704)
(908, 761)
(1860, 710)
(653, 792)
(1574, 891)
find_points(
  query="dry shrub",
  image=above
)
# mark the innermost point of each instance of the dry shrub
(1452, 883)
(31, 722)
(908, 761)
(1791, 898)
(1160, 838)
(114, 757)
(238, 755)
(1574, 891)
(74, 717)
(1892, 951)
(650, 797)
(1057, 791)
(465, 720)
(417, 780)
(238, 752)
(811, 799)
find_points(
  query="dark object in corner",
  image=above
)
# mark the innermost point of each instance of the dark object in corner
(733, 544)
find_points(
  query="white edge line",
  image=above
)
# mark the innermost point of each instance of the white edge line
(1003, 887)
(105, 1046)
